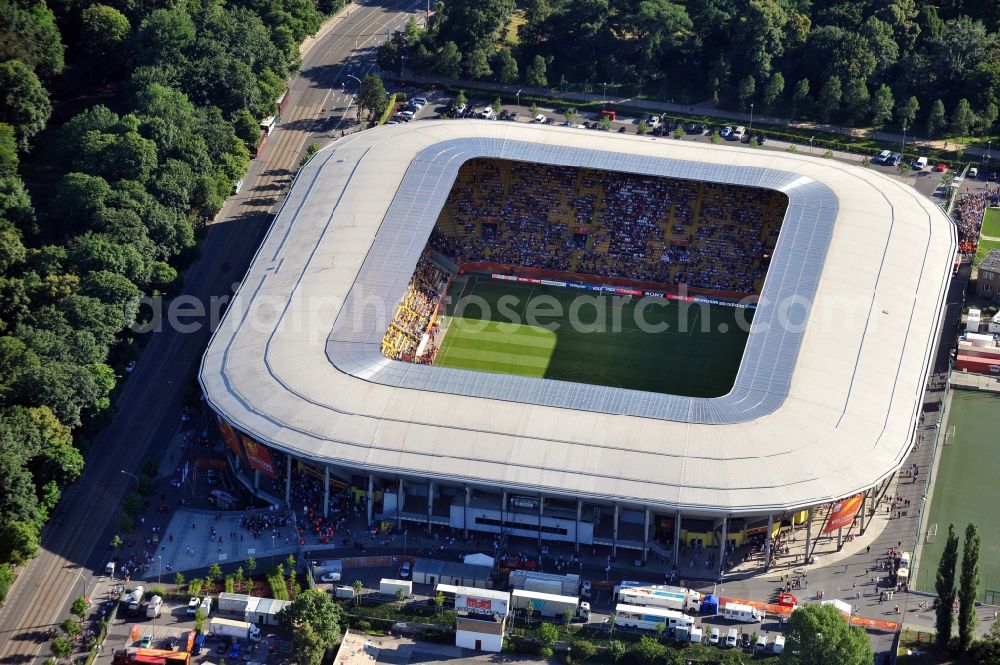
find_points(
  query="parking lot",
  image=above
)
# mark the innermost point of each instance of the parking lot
(170, 631)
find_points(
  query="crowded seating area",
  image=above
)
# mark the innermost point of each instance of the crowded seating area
(629, 226)
(415, 314)
(969, 208)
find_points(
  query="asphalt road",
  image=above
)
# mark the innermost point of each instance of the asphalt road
(147, 417)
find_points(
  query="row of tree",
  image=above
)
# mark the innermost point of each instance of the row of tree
(965, 595)
(931, 66)
(156, 109)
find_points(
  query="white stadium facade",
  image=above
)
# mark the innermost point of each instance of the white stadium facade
(824, 407)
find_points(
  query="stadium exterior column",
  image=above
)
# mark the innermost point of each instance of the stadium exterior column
(288, 481)
(614, 534)
(326, 492)
(677, 538)
(465, 512)
(722, 545)
(767, 543)
(256, 479)
(399, 504)
(541, 513)
(579, 518)
(371, 498)
(840, 538)
(809, 532)
(645, 536)
(430, 504)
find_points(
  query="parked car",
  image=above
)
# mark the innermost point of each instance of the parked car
(621, 130)
(745, 640)
(713, 637)
(941, 168)
(540, 119)
(691, 128)
(726, 131)
(973, 174)
(882, 157)
(404, 570)
(146, 642)
(330, 577)
(419, 102)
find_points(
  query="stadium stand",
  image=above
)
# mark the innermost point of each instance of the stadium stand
(415, 313)
(671, 231)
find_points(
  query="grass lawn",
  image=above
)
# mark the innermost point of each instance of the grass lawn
(966, 489)
(984, 248)
(991, 223)
(920, 643)
(650, 344)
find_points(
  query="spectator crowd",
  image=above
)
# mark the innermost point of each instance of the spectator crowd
(623, 225)
(415, 313)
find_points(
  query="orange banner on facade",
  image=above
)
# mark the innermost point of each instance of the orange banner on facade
(229, 436)
(843, 513)
(259, 457)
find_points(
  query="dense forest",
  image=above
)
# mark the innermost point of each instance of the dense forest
(934, 67)
(122, 129)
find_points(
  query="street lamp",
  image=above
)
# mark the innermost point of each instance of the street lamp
(986, 168)
(131, 475)
(518, 100)
(604, 96)
(83, 582)
(272, 550)
(811, 143)
(159, 569)
(751, 119)
(902, 150)
(352, 76)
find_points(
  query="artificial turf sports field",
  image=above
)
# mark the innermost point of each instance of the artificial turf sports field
(991, 229)
(697, 354)
(966, 489)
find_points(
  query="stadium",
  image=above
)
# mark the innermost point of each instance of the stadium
(792, 306)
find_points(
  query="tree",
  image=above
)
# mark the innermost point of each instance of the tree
(968, 587)
(548, 634)
(746, 91)
(536, 74)
(29, 33)
(533, 110)
(71, 627)
(6, 580)
(570, 114)
(906, 112)
(371, 96)
(962, 118)
(529, 611)
(104, 29)
(583, 649)
(251, 564)
(358, 586)
(61, 647)
(660, 629)
(214, 573)
(497, 104)
(474, 25)
(315, 608)
(772, 91)
(308, 646)
(179, 579)
(643, 128)
(647, 651)
(79, 608)
(616, 650)
(882, 103)
(605, 122)
(829, 98)
(678, 132)
(944, 585)
(857, 99)
(506, 67)
(24, 102)
(449, 61)
(935, 118)
(715, 138)
(477, 66)
(239, 578)
(801, 100)
(200, 616)
(821, 634)
(461, 99)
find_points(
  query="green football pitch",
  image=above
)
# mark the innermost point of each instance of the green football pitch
(574, 335)
(966, 490)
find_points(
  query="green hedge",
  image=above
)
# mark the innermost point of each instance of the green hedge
(387, 113)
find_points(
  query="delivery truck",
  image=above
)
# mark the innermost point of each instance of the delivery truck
(392, 587)
(134, 599)
(343, 591)
(559, 585)
(658, 595)
(551, 605)
(237, 630)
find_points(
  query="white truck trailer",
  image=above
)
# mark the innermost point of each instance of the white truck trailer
(742, 613)
(154, 607)
(551, 605)
(237, 630)
(559, 585)
(649, 618)
(658, 595)
(392, 587)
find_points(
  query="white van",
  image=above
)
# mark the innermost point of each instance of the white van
(779, 644)
(713, 637)
(761, 643)
(742, 613)
(731, 637)
(904, 560)
(206, 604)
(737, 134)
(920, 164)
(882, 157)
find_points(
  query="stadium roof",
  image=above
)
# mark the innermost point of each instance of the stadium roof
(827, 394)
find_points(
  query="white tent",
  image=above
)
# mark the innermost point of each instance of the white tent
(478, 560)
(844, 607)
